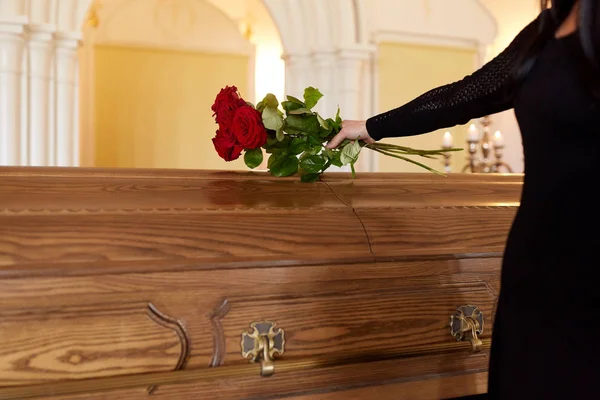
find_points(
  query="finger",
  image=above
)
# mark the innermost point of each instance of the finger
(335, 142)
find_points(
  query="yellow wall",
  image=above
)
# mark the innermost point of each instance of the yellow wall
(405, 72)
(152, 107)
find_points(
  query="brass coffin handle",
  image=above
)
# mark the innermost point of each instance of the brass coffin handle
(262, 342)
(466, 324)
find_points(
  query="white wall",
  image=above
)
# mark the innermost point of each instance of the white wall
(329, 44)
(189, 25)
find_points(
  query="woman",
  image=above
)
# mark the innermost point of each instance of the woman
(546, 338)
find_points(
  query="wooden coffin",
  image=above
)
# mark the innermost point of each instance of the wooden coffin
(119, 283)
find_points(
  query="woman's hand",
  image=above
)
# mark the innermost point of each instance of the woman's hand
(351, 130)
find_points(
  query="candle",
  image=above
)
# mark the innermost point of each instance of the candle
(498, 139)
(447, 143)
(473, 135)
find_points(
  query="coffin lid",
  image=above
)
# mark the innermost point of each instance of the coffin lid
(87, 221)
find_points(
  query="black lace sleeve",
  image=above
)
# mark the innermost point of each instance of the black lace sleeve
(483, 93)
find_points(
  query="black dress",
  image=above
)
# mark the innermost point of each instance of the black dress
(546, 337)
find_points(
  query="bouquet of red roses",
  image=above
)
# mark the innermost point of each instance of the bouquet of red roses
(294, 136)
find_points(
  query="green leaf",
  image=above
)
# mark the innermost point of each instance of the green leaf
(324, 124)
(334, 157)
(289, 106)
(280, 135)
(274, 144)
(253, 158)
(305, 124)
(311, 97)
(271, 119)
(298, 146)
(336, 160)
(261, 106)
(313, 164)
(338, 119)
(310, 177)
(300, 111)
(272, 159)
(271, 101)
(284, 166)
(315, 144)
(350, 153)
(335, 128)
(293, 99)
(274, 150)
(314, 141)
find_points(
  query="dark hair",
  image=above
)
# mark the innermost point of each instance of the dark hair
(555, 12)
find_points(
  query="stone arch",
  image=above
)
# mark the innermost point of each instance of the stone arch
(308, 26)
(311, 34)
(200, 14)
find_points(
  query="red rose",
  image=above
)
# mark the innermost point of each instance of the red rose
(226, 145)
(248, 128)
(228, 100)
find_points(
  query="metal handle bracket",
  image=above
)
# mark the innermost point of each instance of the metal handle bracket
(262, 342)
(467, 324)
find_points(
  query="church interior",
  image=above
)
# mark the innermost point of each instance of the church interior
(135, 262)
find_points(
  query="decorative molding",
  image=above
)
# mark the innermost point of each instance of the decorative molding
(124, 211)
(143, 340)
(219, 340)
(179, 328)
(169, 24)
(422, 39)
(248, 52)
(15, 24)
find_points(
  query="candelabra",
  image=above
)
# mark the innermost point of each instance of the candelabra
(483, 141)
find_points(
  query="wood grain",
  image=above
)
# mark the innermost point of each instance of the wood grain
(341, 312)
(76, 342)
(437, 231)
(38, 190)
(243, 382)
(80, 194)
(443, 388)
(448, 192)
(59, 238)
(362, 275)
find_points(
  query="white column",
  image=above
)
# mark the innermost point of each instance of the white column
(351, 64)
(12, 44)
(76, 133)
(353, 91)
(324, 65)
(67, 131)
(41, 137)
(85, 99)
(298, 74)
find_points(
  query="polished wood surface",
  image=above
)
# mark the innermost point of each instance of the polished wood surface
(114, 282)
